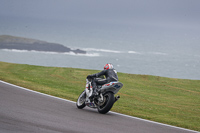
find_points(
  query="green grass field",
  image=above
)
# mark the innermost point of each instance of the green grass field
(166, 100)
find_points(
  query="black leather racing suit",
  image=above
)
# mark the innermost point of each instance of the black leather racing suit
(110, 74)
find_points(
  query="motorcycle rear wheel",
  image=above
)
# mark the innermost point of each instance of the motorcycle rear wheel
(107, 104)
(81, 100)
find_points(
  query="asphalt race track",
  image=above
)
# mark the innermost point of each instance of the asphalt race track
(24, 111)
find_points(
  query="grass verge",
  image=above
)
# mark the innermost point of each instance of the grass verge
(166, 100)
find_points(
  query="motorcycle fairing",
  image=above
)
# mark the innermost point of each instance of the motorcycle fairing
(112, 86)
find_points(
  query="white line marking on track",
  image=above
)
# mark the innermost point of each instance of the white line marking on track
(36, 92)
(132, 117)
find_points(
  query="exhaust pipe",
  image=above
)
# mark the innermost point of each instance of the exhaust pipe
(117, 98)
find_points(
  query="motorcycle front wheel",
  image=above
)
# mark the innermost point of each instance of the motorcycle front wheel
(81, 100)
(107, 103)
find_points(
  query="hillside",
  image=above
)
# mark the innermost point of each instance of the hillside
(20, 43)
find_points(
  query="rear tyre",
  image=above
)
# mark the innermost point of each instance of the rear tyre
(107, 103)
(81, 100)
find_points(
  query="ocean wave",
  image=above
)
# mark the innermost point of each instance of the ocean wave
(133, 52)
(45, 52)
(87, 54)
(16, 50)
(91, 52)
(102, 50)
(121, 52)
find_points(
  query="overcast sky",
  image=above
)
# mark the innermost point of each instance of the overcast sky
(177, 11)
(158, 21)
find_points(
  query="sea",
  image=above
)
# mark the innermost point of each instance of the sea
(137, 48)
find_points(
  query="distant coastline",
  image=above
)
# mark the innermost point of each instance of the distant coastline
(20, 43)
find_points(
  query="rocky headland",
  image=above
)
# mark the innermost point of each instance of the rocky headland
(20, 43)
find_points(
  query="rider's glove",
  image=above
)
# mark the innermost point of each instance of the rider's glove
(89, 77)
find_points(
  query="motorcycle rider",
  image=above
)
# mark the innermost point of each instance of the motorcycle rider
(109, 72)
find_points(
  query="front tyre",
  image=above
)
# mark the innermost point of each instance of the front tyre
(81, 100)
(107, 103)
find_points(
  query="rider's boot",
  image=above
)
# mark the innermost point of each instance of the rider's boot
(94, 93)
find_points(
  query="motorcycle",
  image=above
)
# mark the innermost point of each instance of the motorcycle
(105, 98)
